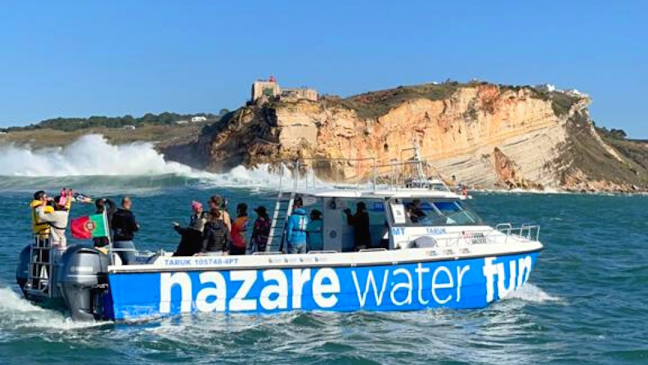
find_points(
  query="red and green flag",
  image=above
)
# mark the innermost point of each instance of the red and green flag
(90, 226)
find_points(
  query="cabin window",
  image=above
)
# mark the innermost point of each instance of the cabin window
(340, 233)
(428, 212)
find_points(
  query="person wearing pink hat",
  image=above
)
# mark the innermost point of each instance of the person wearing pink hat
(191, 236)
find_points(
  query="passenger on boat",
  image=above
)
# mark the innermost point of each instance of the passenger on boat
(314, 231)
(57, 219)
(216, 202)
(260, 231)
(415, 212)
(192, 235)
(360, 223)
(40, 228)
(296, 230)
(216, 236)
(239, 231)
(124, 227)
(108, 206)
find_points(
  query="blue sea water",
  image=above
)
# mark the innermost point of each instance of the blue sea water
(586, 302)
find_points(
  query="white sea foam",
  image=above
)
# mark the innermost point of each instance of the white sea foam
(90, 155)
(91, 160)
(531, 293)
(23, 314)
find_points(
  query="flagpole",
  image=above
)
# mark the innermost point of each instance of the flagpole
(110, 245)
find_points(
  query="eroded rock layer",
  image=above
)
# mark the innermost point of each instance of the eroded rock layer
(486, 135)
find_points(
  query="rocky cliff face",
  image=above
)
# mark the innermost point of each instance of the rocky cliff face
(486, 135)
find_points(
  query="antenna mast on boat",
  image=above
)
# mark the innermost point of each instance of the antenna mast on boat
(417, 160)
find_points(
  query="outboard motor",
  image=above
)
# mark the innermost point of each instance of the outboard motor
(22, 271)
(83, 281)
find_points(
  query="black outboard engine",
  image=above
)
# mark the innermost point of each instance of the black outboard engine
(83, 281)
(22, 271)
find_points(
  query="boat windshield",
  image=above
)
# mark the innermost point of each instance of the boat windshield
(428, 212)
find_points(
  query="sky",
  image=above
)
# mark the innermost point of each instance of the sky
(82, 58)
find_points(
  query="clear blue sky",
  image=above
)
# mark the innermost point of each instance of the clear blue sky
(82, 58)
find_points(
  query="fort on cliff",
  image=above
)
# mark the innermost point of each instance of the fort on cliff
(264, 91)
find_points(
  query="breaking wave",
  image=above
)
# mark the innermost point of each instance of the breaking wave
(90, 155)
(91, 163)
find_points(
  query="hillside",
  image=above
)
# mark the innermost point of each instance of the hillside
(162, 135)
(487, 135)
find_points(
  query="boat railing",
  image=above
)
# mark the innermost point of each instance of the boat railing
(322, 251)
(395, 174)
(506, 235)
(526, 231)
(376, 249)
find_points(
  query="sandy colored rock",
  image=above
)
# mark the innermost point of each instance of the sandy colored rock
(486, 135)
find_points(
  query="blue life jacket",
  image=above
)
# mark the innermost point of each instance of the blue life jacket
(297, 225)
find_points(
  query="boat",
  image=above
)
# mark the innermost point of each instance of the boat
(445, 257)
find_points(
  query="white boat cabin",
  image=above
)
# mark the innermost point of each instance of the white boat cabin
(397, 218)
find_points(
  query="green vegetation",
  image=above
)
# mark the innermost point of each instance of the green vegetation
(561, 102)
(374, 104)
(161, 135)
(74, 124)
(596, 162)
(617, 134)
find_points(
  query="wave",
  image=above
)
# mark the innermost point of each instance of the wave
(531, 293)
(90, 155)
(16, 312)
(92, 164)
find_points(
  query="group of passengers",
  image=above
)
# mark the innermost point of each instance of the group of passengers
(50, 217)
(210, 232)
(213, 232)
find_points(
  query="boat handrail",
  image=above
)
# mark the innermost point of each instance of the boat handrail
(267, 253)
(490, 236)
(527, 231)
(375, 249)
(322, 251)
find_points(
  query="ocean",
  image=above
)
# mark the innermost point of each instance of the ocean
(585, 302)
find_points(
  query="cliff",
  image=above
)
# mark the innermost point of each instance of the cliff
(486, 135)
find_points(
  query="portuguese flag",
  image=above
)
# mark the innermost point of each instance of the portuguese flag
(90, 226)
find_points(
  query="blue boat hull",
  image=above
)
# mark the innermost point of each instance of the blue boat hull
(461, 284)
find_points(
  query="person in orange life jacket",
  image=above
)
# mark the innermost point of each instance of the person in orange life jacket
(216, 202)
(104, 205)
(296, 231)
(191, 236)
(239, 231)
(360, 223)
(58, 219)
(261, 231)
(124, 227)
(40, 228)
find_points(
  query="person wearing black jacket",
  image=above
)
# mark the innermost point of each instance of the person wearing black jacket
(108, 206)
(360, 223)
(216, 236)
(124, 227)
(192, 236)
